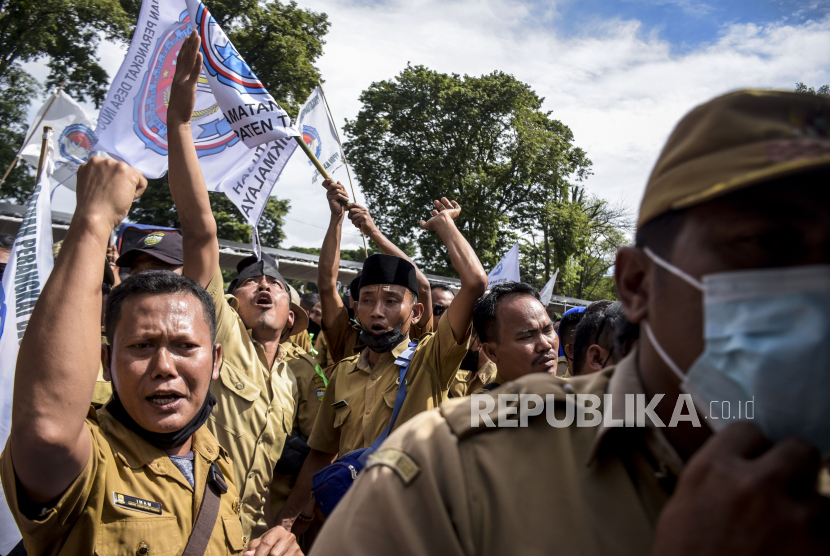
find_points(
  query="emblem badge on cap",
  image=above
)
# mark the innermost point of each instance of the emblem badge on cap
(152, 239)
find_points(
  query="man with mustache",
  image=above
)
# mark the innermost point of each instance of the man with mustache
(359, 400)
(255, 406)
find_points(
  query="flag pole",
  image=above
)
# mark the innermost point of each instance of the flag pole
(29, 137)
(343, 154)
(44, 146)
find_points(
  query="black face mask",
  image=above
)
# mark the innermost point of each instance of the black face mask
(313, 327)
(385, 342)
(470, 361)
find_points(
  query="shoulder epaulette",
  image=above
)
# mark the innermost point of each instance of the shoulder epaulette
(458, 412)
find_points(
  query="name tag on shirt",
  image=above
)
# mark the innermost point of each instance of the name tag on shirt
(136, 504)
(341, 403)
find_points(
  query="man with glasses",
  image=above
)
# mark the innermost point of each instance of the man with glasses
(442, 297)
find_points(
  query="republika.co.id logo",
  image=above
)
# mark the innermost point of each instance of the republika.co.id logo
(213, 133)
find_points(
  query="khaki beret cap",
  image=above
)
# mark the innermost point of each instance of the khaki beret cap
(737, 140)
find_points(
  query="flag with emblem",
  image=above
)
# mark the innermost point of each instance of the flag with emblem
(547, 291)
(74, 133)
(132, 123)
(315, 125)
(507, 270)
(30, 263)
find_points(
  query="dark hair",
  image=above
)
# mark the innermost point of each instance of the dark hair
(567, 326)
(6, 242)
(484, 312)
(157, 282)
(442, 287)
(598, 326)
(309, 300)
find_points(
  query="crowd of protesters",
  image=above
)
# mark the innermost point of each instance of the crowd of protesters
(189, 418)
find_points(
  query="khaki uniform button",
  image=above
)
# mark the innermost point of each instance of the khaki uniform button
(143, 549)
(239, 386)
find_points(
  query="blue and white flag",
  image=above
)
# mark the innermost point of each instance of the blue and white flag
(507, 270)
(314, 122)
(132, 124)
(247, 105)
(547, 291)
(29, 266)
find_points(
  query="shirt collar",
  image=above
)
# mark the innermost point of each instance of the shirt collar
(625, 379)
(363, 361)
(135, 452)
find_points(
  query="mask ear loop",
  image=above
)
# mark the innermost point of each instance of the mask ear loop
(662, 353)
(685, 276)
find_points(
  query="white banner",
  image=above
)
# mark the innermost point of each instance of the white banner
(29, 266)
(74, 133)
(132, 125)
(251, 110)
(507, 270)
(319, 134)
(547, 291)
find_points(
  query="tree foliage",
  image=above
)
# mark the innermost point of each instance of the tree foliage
(823, 91)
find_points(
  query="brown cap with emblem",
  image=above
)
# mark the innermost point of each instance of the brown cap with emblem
(734, 141)
(165, 246)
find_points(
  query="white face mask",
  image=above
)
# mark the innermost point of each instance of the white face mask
(767, 354)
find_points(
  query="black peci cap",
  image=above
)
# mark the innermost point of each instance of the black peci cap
(388, 269)
(251, 259)
(165, 246)
(261, 268)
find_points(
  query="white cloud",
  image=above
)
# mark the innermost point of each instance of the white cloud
(621, 88)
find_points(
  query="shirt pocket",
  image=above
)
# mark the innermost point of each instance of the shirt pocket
(231, 408)
(340, 415)
(233, 532)
(159, 535)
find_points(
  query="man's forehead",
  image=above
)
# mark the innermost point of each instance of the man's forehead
(383, 288)
(522, 311)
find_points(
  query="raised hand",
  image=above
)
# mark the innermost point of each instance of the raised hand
(185, 81)
(106, 189)
(445, 211)
(361, 219)
(337, 197)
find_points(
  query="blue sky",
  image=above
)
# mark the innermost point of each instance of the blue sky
(619, 73)
(684, 23)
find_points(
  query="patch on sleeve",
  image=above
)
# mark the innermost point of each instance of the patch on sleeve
(320, 392)
(136, 504)
(398, 461)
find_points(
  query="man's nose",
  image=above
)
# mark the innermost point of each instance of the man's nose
(163, 365)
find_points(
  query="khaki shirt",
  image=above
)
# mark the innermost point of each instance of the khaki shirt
(302, 339)
(370, 393)
(103, 389)
(254, 410)
(467, 382)
(343, 339)
(322, 348)
(440, 486)
(562, 368)
(310, 390)
(88, 519)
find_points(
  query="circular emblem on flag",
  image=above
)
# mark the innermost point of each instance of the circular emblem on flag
(76, 143)
(312, 139)
(212, 132)
(498, 269)
(152, 239)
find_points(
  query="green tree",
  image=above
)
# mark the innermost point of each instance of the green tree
(483, 141)
(16, 88)
(156, 207)
(823, 91)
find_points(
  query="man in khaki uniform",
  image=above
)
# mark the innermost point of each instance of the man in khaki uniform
(132, 476)
(255, 406)
(475, 372)
(357, 405)
(737, 174)
(342, 337)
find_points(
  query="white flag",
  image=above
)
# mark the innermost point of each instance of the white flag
(547, 291)
(29, 266)
(507, 270)
(132, 125)
(251, 110)
(74, 133)
(319, 134)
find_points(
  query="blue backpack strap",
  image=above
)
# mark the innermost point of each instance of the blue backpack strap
(403, 362)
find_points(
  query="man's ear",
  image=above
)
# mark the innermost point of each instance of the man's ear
(417, 311)
(490, 351)
(594, 359)
(631, 273)
(106, 357)
(217, 361)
